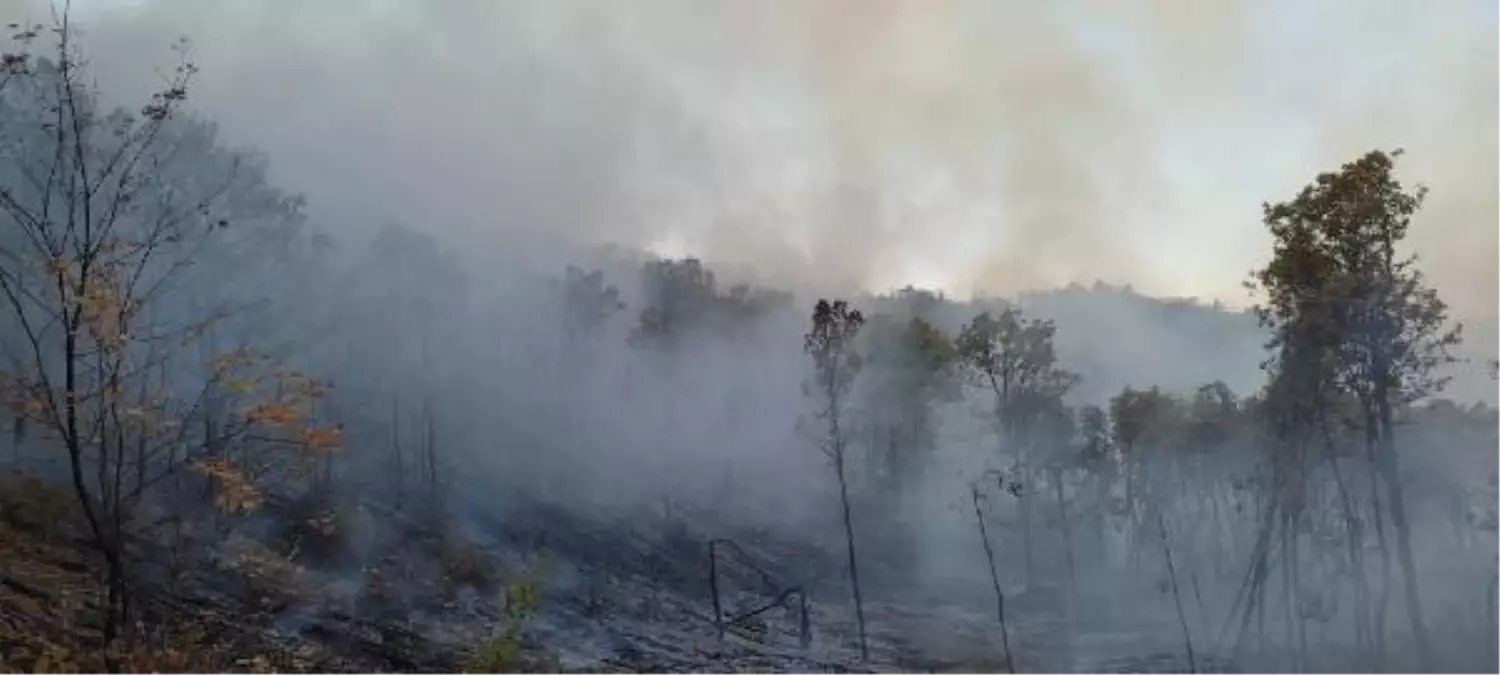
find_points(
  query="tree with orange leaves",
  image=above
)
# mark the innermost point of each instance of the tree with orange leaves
(95, 228)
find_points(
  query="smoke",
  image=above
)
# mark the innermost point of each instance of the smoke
(995, 146)
(972, 145)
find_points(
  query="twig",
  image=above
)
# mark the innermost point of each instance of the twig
(780, 601)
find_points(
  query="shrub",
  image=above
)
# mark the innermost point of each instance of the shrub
(504, 653)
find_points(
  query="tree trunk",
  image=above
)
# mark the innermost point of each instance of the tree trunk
(74, 445)
(989, 556)
(1067, 528)
(1023, 473)
(1187, 635)
(115, 601)
(1390, 468)
(713, 587)
(396, 456)
(1355, 540)
(1378, 513)
(1130, 545)
(859, 603)
(1102, 501)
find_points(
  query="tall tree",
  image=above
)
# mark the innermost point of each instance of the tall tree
(684, 300)
(1013, 358)
(679, 297)
(836, 363)
(1341, 297)
(1096, 458)
(1144, 422)
(409, 291)
(679, 294)
(910, 371)
(588, 303)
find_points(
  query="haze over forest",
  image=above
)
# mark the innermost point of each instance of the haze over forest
(993, 146)
(534, 279)
(962, 146)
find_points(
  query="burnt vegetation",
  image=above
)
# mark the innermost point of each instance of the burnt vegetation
(238, 442)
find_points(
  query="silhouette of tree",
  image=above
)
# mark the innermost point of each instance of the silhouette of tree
(836, 364)
(1348, 312)
(588, 303)
(1013, 358)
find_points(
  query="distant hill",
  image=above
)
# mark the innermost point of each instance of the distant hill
(1114, 336)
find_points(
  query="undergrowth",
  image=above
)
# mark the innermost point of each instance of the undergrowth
(505, 653)
(50, 601)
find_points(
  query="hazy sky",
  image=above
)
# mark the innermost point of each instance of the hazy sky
(995, 145)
